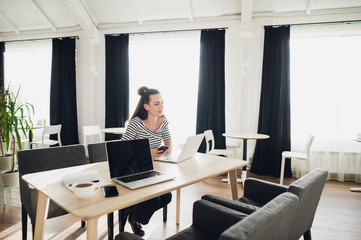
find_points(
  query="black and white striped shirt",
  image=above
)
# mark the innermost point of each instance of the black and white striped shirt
(137, 130)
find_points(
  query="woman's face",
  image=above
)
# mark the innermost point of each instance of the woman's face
(155, 105)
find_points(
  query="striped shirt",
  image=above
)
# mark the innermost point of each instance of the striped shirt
(137, 130)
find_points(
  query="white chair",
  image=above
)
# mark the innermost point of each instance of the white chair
(93, 130)
(297, 155)
(210, 144)
(210, 149)
(47, 131)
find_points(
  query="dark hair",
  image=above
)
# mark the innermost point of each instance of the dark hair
(144, 93)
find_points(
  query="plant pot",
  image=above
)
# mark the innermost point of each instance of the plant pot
(10, 179)
(6, 163)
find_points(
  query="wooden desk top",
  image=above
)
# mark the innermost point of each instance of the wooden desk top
(115, 130)
(200, 167)
(246, 135)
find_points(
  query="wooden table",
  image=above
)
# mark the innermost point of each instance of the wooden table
(115, 130)
(245, 137)
(50, 186)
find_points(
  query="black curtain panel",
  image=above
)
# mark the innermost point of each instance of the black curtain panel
(211, 89)
(63, 108)
(2, 74)
(274, 114)
(117, 82)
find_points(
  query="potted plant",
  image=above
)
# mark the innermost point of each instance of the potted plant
(15, 118)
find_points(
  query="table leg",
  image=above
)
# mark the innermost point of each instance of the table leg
(92, 229)
(41, 215)
(244, 169)
(233, 181)
(178, 207)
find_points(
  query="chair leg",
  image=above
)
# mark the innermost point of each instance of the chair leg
(110, 217)
(82, 224)
(282, 170)
(24, 222)
(165, 213)
(307, 235)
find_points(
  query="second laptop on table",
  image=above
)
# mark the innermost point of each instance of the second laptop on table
(130, 164)
(189, 150)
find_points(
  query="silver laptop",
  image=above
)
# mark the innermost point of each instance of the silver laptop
(189, 150)
(131, 165)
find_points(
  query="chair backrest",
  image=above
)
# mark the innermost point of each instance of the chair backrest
(97, 152)
(93, 130)
(52, 129)
(271, 222)
(308, 189)
(209, 137)
(43, 159)
(308, 144)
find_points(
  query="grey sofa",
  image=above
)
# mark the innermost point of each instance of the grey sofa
(213, 221)
(43, 159)
(257, 193)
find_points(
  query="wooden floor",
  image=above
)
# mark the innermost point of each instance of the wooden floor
(338, 215)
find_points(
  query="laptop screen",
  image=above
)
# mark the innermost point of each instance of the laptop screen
(128, 157)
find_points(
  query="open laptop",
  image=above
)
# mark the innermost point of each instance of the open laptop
(190, 148)
(130, 164)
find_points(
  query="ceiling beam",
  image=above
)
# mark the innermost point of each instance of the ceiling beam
(81, 16)
(190, 10)
(44, 14)
(135, 8)
(246, 18)
(9, 22)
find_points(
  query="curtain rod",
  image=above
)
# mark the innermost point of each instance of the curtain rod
(315, 23)
(38, 39)
(182, 30)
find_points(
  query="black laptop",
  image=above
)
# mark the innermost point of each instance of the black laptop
(131, 165)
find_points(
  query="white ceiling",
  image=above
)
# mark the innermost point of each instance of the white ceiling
(25, 15)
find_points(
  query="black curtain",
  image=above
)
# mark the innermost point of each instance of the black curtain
(2, 74)
(63, 108)
(211, 89)
(274, 114)
(117, 82)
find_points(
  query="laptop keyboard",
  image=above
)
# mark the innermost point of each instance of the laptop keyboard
(139, 176)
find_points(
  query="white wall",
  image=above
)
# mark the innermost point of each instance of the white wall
(243, 63)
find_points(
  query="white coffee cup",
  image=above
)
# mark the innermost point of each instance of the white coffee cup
(85, 189)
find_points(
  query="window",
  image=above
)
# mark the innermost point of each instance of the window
(168, 62)
(325, 86)
(28, 64)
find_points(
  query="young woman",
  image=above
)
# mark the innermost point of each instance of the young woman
(149, 122)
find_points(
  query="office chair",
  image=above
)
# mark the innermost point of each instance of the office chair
(44, 159)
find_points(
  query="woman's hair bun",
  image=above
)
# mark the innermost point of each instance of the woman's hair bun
(142, 90)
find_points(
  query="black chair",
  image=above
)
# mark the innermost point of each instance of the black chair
(97, 153)
(257, 193)
(213, 221)
(43, 159)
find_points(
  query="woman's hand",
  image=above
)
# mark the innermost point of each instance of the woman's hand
(156, 153)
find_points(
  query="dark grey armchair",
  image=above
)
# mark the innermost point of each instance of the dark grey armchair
(258, 192)
(43, 159)
(213, 221)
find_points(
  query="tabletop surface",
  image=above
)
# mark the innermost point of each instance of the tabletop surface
(116, 130)
(193, 170)
(246, 135)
